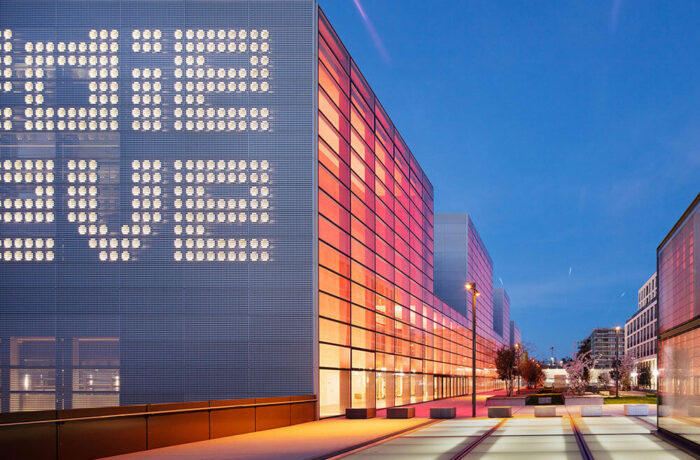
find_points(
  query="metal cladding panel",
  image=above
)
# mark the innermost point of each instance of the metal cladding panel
(156, 201)
(451, 260)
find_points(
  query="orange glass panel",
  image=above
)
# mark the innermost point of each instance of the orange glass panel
(332, 186)
(362, 338)
(334, 308)
(333, 114)
(333, 332)
(333, 259)
(362, 359)
(334, 43)
(363, 296)
(333, 211)
(363, 317)
(333, 89)
(333, 65)
(331, 234)
(333, 356)
(333, 284)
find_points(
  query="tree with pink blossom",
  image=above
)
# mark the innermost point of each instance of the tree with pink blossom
(577, 372)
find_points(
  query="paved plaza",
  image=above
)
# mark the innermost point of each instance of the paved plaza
(566, 436)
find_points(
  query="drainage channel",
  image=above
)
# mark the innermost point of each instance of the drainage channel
(582, 446)
(464, 452)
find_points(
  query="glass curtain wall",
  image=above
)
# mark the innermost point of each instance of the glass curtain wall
(385, 340)
(679, 318)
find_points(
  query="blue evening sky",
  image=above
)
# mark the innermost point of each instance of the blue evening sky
(569, 130)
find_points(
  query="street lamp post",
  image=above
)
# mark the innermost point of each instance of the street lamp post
(517, 351)
(617, 364)
(475, 293)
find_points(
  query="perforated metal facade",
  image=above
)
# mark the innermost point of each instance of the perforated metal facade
(156, 201)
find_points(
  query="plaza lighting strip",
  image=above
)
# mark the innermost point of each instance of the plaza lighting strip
(582, 446)
(464, 452)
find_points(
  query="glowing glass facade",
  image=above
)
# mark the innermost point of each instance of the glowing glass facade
(679, 335)
(204, 200)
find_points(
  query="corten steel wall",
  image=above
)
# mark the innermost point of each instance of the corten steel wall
(385, 340)
(679, 317)
(156, 194)
(106, 431)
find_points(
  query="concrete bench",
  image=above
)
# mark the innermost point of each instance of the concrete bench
(636, 409)
(591, 411)
(364, 412)
(545, 411)
(499, 412)
(401, 412)
(443, 412)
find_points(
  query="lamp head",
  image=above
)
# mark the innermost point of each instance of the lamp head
(469, 286)
(617, 328)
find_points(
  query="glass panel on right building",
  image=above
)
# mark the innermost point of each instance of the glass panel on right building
(679, 335)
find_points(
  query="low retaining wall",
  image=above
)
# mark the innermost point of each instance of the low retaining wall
(583, 400)
(106, 431)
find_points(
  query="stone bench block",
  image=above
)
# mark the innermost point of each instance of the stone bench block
(499, 412)
(591, 411)
(443, 412)
(636, 409)
(401, 412)
(364, 412)
(545, 411)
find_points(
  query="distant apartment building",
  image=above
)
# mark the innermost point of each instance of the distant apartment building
(603, 343)
(641, 328)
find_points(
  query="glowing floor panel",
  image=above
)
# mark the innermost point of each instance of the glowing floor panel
(632, 447)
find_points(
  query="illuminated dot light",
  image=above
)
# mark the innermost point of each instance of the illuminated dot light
(146, 196)
(6, 119)
(195, 76)
(98, 61)
(27, 249)
(5, 61)
(146, 41)
(146, 99)
(32, 177)
(82, 203)
(198, 212)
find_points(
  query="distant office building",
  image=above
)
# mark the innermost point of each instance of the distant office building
(603, 343)
(515, 336)
(501, 313)
(641, 329)
(206, 201)
(461, 257)
(678, 268)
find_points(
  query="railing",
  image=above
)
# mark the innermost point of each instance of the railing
(101, 432)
